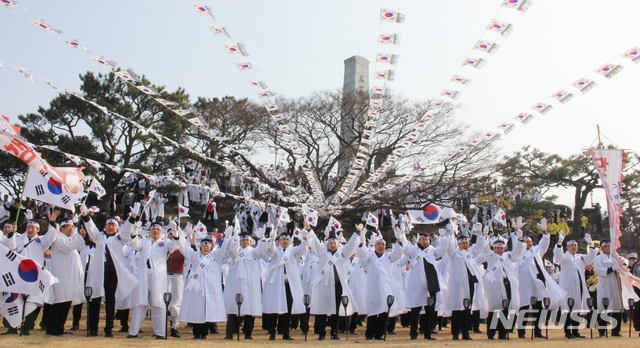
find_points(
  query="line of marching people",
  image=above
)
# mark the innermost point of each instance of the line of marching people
(276, 274)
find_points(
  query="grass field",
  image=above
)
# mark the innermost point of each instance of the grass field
(260, 339)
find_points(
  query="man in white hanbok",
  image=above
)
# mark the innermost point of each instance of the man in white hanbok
(331, 282)
(107, 275)
(282, 295)
(572, 279)
(423, 282)
(244, 278)
(613, 286)
(203, 302)
(67, 267)
(379, 283)
(149, 294)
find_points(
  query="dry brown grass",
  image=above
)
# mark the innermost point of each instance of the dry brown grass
(401, 339)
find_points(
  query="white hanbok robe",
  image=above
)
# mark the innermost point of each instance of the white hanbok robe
(458, 282)
(244, 278)
(274, 297)
(34, 249)
(116, 243)
(153, 281)
(612, 285)
(531, 268)
(572, 277)
(379, 279)
(204, 302)
(498, 268)
(324, 300)
(68, 268)
(357, 285)
(418, 291)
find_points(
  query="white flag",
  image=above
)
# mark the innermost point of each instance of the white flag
(609, 164)
(182, 211)
(96, 188)
(372, 220)
(23, 275)
(500, 217)
(41, 187)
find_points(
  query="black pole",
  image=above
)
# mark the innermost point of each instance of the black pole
(88, 292)
(306, 299)
(24, 303)
(631, 302)
(239, 300)
(390, 300)
(167, 299)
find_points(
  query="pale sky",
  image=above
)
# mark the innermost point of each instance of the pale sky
(299, 46)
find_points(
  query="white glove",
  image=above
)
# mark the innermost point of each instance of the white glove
(561, 237)
(135, 210)
(442, 232)
(397, 233)
(486, 230)
(83, 209)
(172, 226)
(188, 229)
(228, 232)
(28, 214)
(588, 239)
(272, 235)
(260, 232)
(519, 233)
(477, 227)
(75, 219)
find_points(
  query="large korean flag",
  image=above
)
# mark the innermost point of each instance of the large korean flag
(22, 275)
(44, 188)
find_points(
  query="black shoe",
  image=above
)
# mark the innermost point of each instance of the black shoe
(456, 338)
(579, 336)
(335, 336)
(391, 333)
(10, 331)
(477, 331)
(159, 337)
(175, 333)
(540, 335)
(522, 335)
(616, 334)
(203, 337)
(321, 337)
(353, 332)
(287, 338)
(108, 333)
(25, 332)
(248, 337)
(568, 336)
(93, 333)
(124, 329)
(65, 332)
(490, 338)
(54, 333)
(132, 336)
(369, 338)
(413, 337)
(467, 338)
(75, 327)
(430, 338)
(272, 337)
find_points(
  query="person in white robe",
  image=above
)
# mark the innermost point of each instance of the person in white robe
(158, 209)
(282, 294)
(244, 278)
(331, 282)
(203, 302)
(8, 236)
(501, 283)
(107, 275)
(149, 294)
(423, 282)
(465, 275)
(536, 282)
(612, 285)
(67, 267)
(379, 283)
(572, 279)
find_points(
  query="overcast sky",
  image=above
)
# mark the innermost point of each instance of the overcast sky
(298, 47)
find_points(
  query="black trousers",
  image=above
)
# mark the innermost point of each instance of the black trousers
(283, 320)
(58, 314)
(536, 318)
(110, 285)
(123, 314)
(30, 320)
(76, 314)
(200, 330)
(321, 319)
(376, 326)
(500, 328)
(426, 321)
(615, 329)
(232, 325)
(461, 319)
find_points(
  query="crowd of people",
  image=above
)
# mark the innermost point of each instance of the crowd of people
(285, 275)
